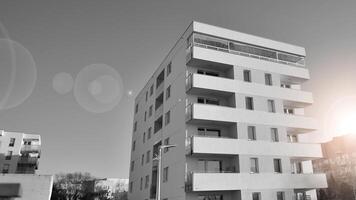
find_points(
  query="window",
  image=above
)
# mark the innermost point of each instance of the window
(209, 132)
(150, 110)
(169, 68)
(132, 165)
(208, 166)
(271, 106)
(136, 108)
(167, 118)
(256, 196)
(148, 156)
(274, 135)
(160, 79)
(168, 92)
(146, 96)
(288, 111)
(280, 196)
(165, 174)
(6, 168)
(285, 86)
(254, 165)
(151, 90)
(141, 183)
(145, 115)
(142, 159)
(147, 179)
(158, 124)
(299, 167)
(144, 137)
(293, 138)
(135, 127)
(249, 103)
(149, 133)
(268, 79)
(130, 187)
(134, 145)
(251, 132)
(247, 75)
(8, 155)
(12, 142)
(206, 100)
(166, 142)
(210, 196)
(159, 101)
(209, 73)
(277, 165)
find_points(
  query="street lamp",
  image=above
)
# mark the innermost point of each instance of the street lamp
(159, 158)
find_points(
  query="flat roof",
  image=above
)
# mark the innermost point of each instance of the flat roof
(247, 38)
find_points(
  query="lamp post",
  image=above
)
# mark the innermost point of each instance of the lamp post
(159, 158)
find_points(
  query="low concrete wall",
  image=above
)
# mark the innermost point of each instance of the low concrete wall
(33, 187)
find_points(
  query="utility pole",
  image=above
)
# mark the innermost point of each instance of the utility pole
(158, 195)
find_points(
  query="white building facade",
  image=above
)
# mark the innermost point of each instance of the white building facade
(233, 105)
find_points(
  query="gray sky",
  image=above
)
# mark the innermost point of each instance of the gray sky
(133, 37)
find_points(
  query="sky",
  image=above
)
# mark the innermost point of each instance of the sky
(66, 39)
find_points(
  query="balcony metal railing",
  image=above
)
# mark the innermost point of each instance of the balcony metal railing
(189, 82)
(232, 47)
(28, 160)
(31, 148)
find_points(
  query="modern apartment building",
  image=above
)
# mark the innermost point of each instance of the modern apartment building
(233, 105)
(19, 152)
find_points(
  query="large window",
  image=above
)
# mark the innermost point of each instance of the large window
(249, 103)
(277, 165)
(251, 132)
(209, 132)
(254, 165)
(150, 110)
(12, 142)
(168, 92)
(160, 79)
(206, 100)
(256, 196)
(268, 79)
(136, 108)
(274, 135)
(8, 155)
(210, 197)
(158, 124)
(280, 196)
(151, 90)
(247, 75)
(271, 106)
(149, 132)
(159, 101)
(207, 166)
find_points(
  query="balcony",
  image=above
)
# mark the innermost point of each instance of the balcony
(203, 84)
(30, 161)
(222, 114)
(227, 146)
(34, 148)
(246, 181)
(242, 49)
(199, 56)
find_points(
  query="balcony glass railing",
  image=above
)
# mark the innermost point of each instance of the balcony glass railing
(31, 148)
(242, 49)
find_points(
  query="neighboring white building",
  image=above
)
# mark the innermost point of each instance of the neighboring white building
(233, 105)
(19, 155)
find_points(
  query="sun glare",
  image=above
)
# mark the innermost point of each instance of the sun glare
(347, 124)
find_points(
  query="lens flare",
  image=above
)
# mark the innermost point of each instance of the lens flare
(63, 83)
(18, 74)
(340, 118)
(98, 88)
